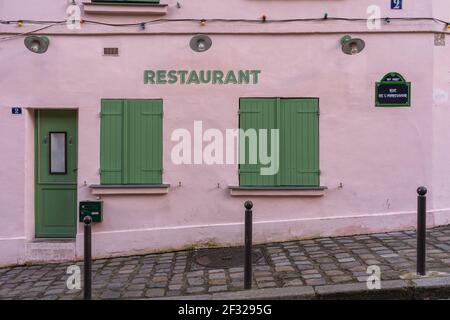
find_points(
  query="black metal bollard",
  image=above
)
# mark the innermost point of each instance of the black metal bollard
(421, 229)
(87, 259)
(248, 245)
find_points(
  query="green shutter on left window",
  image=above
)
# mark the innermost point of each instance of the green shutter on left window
(111, 142)
(144, 141)
(256, 114)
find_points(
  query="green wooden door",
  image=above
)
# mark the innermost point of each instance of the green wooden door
(55, 173)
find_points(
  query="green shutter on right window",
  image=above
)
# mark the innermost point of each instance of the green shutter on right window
(256, 114)
(111, 142)
(299, 142)
(298, 122)
(144, 141)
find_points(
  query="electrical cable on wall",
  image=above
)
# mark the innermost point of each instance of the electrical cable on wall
(326, 17)
(29, 32)
(214, 20)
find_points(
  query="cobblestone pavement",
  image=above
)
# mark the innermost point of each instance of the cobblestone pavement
(295, 263)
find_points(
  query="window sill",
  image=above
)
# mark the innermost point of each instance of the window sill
(118, 189)
(278, 191)
(125, 8)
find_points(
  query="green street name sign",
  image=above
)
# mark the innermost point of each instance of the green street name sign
(393, 91)
(201, 77)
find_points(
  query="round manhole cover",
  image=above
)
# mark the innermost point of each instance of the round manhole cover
(224, 258)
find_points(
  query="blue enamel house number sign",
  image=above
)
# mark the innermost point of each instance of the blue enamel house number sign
(396, 4)
(16, 110)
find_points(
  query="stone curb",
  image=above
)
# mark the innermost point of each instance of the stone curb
(423, 288)
(288, 293)
(392, 289)
(432, 288)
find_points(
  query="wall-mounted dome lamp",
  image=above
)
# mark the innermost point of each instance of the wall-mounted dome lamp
(200, 43)
(352, 46)
(37, 44)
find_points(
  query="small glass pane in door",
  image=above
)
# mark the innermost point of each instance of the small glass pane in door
(57, 152)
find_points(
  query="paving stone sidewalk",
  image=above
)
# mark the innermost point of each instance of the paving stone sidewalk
(322, 261)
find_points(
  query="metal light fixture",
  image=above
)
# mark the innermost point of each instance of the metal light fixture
(200, 43)
(37, 44)
(352, 46)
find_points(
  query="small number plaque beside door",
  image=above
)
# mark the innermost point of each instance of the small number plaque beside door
(16, 110)
(58, 152)
(396, 4)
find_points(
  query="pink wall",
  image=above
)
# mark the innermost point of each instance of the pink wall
(54, 9)
(380, 155)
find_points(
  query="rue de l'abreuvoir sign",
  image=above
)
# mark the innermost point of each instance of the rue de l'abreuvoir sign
(393, 91)
(201, 76)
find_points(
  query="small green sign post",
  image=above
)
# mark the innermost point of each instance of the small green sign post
(393, 91)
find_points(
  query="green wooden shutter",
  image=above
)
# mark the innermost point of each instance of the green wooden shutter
(256, 114)
(299, 142)
(144, 142)
(111, 142)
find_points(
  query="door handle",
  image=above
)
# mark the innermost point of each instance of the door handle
(75, 170)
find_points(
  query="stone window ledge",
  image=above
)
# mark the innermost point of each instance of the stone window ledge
(125, 8)
(123, 189)
(278, 191)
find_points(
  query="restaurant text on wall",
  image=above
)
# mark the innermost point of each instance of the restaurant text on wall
(201, 76)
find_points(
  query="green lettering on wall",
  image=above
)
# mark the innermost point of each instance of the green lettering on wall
(149, 77)
(244, 76)
(161, 77)
(255, 74)
(231, 78)
(201, 76)
(217, 77)
(182, 74)
(172, 75)
(193, 78)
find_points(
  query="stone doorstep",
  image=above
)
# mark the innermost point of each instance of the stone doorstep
(424, 288)
(51, 250)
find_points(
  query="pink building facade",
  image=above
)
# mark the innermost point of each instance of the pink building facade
(370, 158)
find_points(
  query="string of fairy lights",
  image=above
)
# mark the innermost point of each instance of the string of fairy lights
(203, 22)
